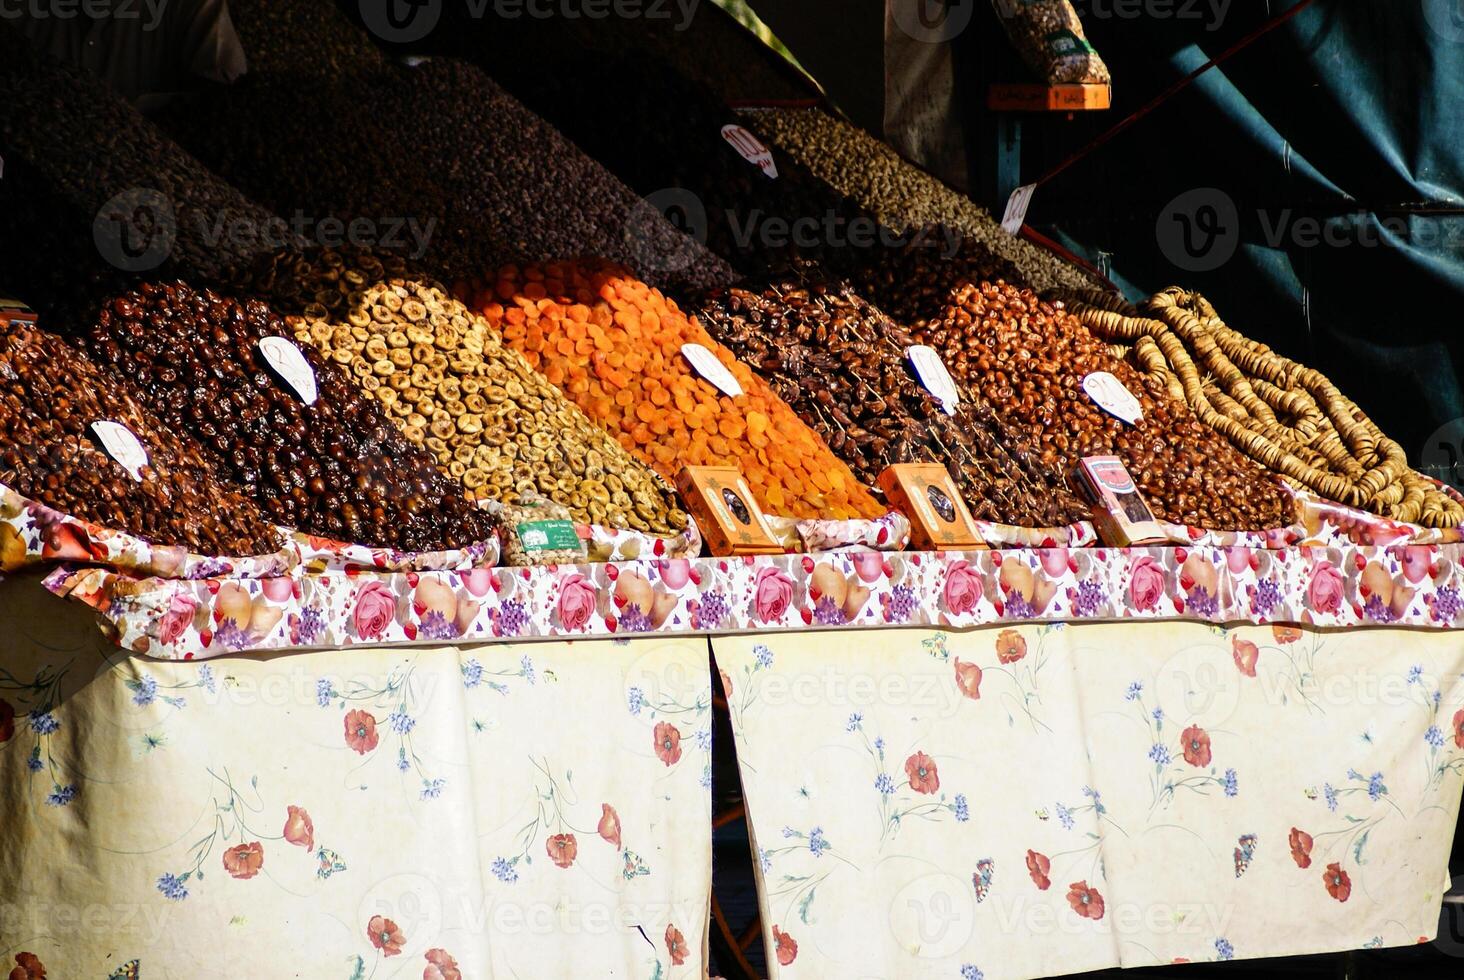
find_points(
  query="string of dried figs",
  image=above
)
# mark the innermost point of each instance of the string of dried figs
(488, 418)
(1284, 415)
(842, 365)
(333, 467)
(1029, 359)
(614, 345)
(51, 394)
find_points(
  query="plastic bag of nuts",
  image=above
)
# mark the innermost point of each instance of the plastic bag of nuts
(50, 396)
(537, 532)
(1049, 37)
(1030, 358)
(615, 346)
(843, 365)
(488, 418)
(333, 466)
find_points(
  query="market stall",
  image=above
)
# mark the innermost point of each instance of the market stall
(370, 612)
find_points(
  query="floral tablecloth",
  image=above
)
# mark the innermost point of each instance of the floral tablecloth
(1041, 800)
(441, 812)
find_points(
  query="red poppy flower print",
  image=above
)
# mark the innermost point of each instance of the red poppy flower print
(1246, 654)
(1196, 745)
(1038, 866)
(1339, 886)
(7, 721)
(968, 679)
(299, 828)
(785, 947)
(1010, 646)
(1458, 728)
(441, 966)
(668, 743)
(1085, 900)
(361, 731)
(385, 935)
(675, 945)
(1301, 845)
(609, 824)
(1285, 634)
(921, 771)
(245, 860)
(28, 967)
(562, 849)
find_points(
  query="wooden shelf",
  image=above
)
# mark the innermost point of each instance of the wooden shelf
(1036, 97)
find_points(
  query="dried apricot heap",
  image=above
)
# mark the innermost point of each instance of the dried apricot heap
(614, 345)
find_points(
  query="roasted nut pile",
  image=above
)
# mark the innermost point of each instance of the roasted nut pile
(902, 195)
(155, 208)
(842, 365)
(295, 38)
(613, 345)
(490, 420)
(1029, 359)
(336, 468)
(50, 395)
(444, 168)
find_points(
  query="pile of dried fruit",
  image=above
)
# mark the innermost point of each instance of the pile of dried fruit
(490, 420)
(1029, 358)
(613, 344)
(50, 395)
(317, 283)
(902, 195)
(336, 468)
(842, 364)
(442, 166)
(1284, 415)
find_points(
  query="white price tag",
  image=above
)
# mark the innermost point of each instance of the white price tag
(1113, 397)
(123, 446)
(934, 376)
(1016, 209)
(287, 361)
(713, 370)
(751, 148)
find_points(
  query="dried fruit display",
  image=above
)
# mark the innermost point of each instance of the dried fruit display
(443, 166)
(842, 365)
(488, 418)
(902, 195)
(50, 394)
(613, 344)
(319, 282)
(335, 468)
(1284, 415)
(1029, 359)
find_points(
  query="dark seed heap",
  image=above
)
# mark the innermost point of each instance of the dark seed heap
(50, 395)
(1029, 358)
(447, 169)
(302, 38)
(337, 468)
(842, 365)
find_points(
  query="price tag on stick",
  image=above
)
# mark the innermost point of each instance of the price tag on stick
(1113, 397)
(123, 446)
(933, 375)
(751, 148)
(1016, 209)
(713, 370)
(287, 362)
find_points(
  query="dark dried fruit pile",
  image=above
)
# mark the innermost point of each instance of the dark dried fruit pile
(337, 468)
(1028, 358)
(842, 365)
(50, 395)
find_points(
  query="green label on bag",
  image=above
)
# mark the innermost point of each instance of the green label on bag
(549, 536)
(1065, 44)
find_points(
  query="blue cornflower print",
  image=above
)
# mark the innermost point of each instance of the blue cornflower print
(1134, 691)
(970, 972)
(472, 674)
(33, 761)
(884, 784)
(816, 842)
(1330, 794)
(44, 723)
(146, 691)
(401, 722)
(206, 678)
(1065, 817)
(173, 887)
(1434, 737)
(1415, 674)
(1231, 783)
(963, 812)
(504, 871)
(432, 788)
(1158, 714)
(855, 720)
(763, 655)
(325, 692)
(1159, 752)
(62, 795)
(1375, 788)
(1224, 949)
(526, 668)
(635, 699)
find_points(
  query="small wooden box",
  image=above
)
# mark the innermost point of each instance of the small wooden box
(939, 520)
(14, 309)
(725, 510)
(1120, 514)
